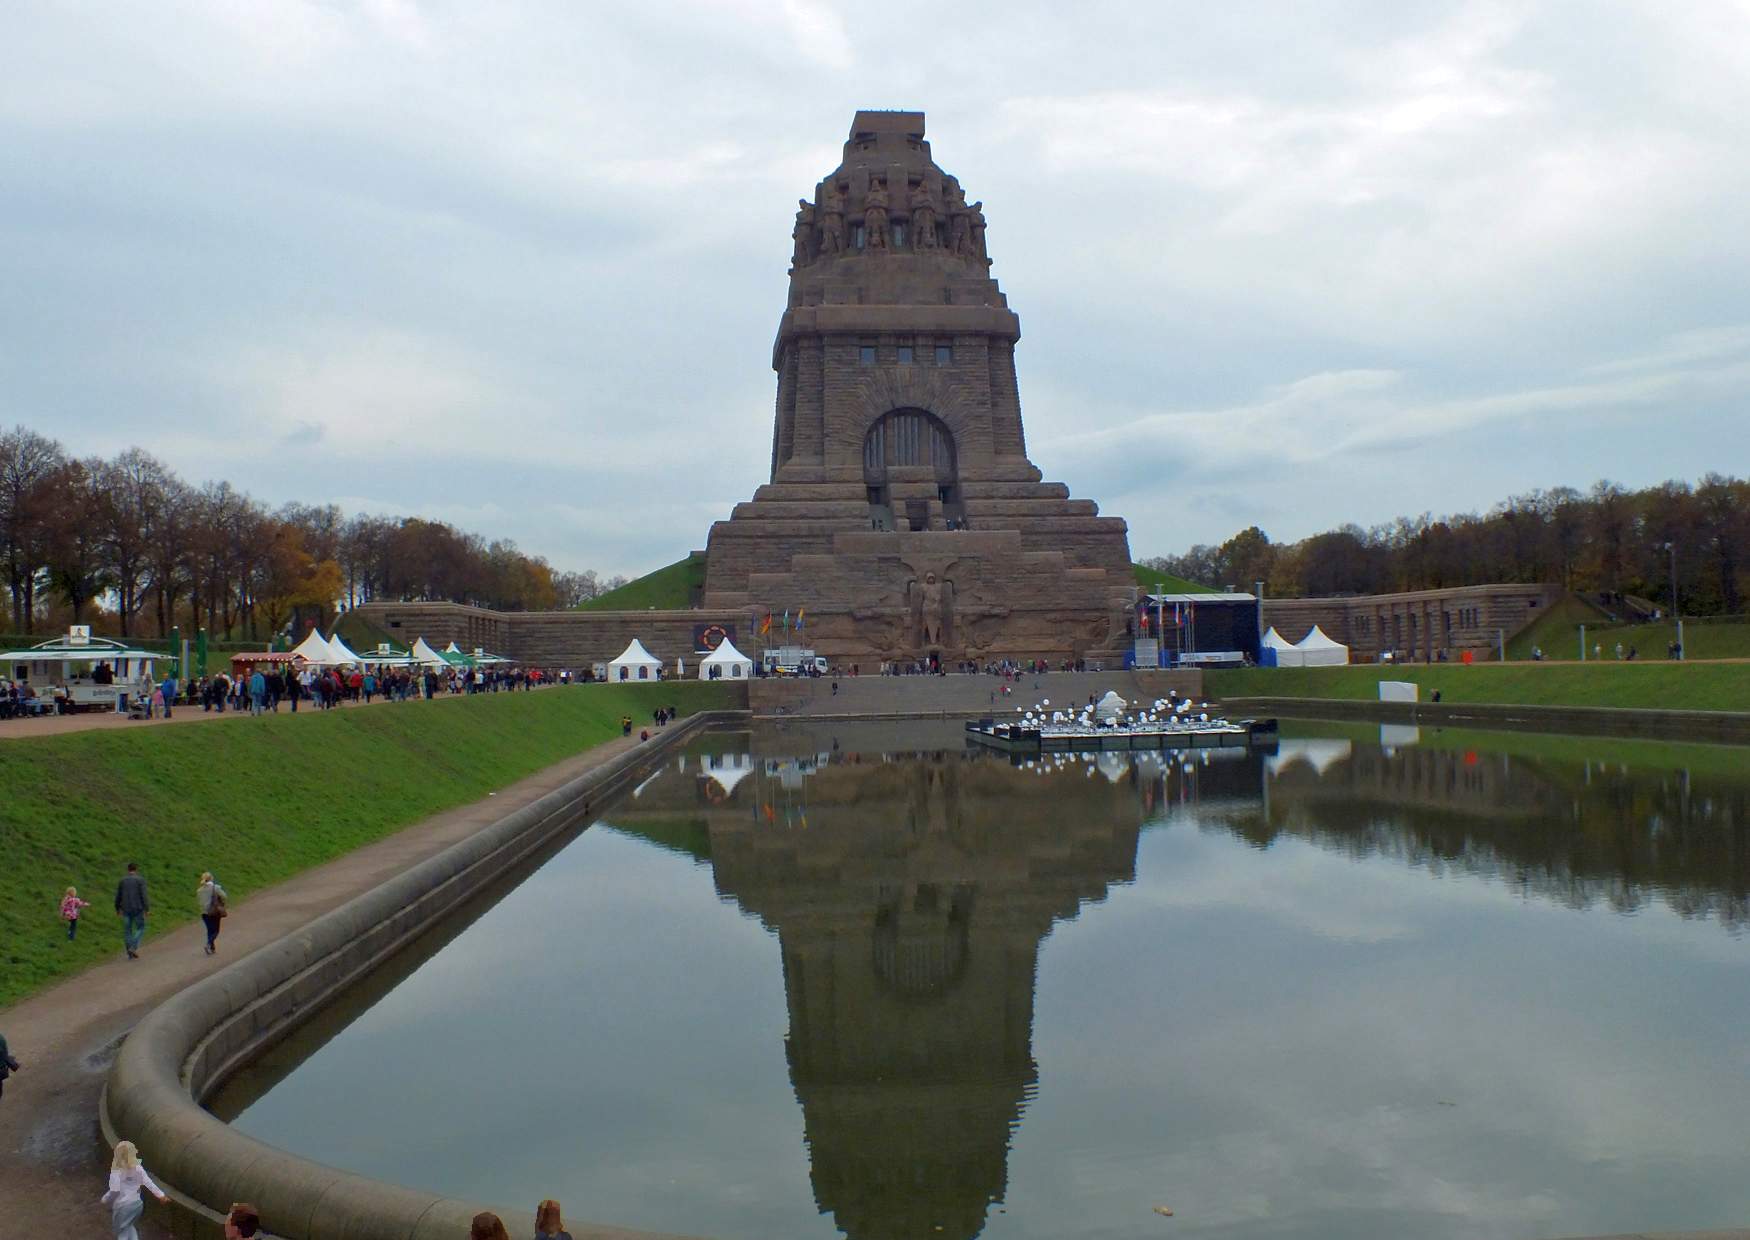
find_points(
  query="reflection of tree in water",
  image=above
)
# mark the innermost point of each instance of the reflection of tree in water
(909, 910)
(1575, 833)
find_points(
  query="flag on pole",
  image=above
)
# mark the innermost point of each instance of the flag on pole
(786, 619)
(800, 612)
(766, 624)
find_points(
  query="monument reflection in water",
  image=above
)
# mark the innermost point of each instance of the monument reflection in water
(910, 891)
(909, 899)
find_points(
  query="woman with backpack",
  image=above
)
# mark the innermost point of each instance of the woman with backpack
(211, 898)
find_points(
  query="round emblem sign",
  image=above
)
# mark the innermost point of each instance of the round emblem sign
(711, 636)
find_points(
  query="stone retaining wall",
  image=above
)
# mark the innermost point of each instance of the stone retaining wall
(180, 1053)
(965, 695)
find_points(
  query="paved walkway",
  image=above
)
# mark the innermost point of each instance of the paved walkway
(52, 1168)
(91, 720)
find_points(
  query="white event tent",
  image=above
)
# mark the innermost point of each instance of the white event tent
(314, 650)
(725, 663)
(635, 663)
(344, 653)
(424, 654)
(1317, 650)
(1282, 646)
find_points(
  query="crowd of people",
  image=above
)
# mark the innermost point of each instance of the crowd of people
(263, 687)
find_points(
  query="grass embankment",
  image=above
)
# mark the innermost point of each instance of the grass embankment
(1658, 686)
(1557, 633)
(257, 800)
(670, 588)
(1166, 583)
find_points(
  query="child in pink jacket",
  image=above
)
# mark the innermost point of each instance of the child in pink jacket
(70, 906)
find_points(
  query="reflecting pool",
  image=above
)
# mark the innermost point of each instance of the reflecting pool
(864, 981)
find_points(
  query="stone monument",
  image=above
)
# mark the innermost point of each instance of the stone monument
(903, 516)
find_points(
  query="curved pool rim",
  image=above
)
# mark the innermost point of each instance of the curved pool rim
(185, 1049)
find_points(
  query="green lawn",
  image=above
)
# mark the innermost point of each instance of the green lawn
(1556, 630)
(1702, 639)
(1166, 583)
(670, 588)
(257, 800)
(1659, 685)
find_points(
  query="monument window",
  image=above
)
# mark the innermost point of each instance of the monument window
(899, 230)
(866, 354)
(944, 355)
(856, 236)
(905, 355)
(908, 438)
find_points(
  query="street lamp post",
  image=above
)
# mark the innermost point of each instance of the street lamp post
(1675, 616)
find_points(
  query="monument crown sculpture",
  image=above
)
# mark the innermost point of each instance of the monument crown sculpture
(903, 513)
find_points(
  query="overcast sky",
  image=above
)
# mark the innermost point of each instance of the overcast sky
(518, 266)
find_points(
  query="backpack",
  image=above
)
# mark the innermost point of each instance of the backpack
(219, 907)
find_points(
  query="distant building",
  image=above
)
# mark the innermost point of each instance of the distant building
(1417, 625)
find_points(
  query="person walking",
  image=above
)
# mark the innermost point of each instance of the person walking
(131, 905)
(257, 693)
(127, 1177)
(70, 906)
(214, 907)
(8, 1065)
(548, 1225)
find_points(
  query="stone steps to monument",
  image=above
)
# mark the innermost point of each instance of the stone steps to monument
(975, 695)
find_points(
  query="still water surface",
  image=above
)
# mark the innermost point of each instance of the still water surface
(805, 984)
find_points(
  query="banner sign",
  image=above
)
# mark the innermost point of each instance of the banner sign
(707, 637)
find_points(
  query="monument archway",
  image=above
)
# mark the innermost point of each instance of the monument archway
(909, 461)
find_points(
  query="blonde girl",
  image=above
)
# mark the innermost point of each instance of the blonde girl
(70, 906)
(127, 1177)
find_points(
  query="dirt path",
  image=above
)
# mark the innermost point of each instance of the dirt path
(52, 1167)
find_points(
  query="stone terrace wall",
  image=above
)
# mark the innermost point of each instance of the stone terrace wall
(956, 694)
(1418, 624)
(555, 638)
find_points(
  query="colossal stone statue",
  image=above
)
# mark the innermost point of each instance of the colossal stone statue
(923, 219)
(932, 611)
(803, 235)
(832, 221)
(875, 218)
(901, 495)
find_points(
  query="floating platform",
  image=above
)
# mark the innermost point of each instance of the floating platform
(1023, 738)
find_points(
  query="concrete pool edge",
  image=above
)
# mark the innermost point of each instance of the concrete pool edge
(184, 1048)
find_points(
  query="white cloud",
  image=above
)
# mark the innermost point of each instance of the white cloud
(1266, 253)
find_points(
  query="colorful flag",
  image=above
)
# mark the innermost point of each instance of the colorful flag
(786, 619)
(800, 612)
(766, 624)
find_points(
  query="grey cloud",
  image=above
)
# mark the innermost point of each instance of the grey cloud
(534, 255)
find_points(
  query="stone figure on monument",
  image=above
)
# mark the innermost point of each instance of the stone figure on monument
(803, 234)
(975, 232)
(959, 228)
(875, 219)
(931, 601)
(923, 219)
(832, 221)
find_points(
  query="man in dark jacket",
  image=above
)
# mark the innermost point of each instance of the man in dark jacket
(8, 1065)
(131, 904)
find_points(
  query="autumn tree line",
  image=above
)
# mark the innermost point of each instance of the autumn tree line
(1606, 541)
(127, 544)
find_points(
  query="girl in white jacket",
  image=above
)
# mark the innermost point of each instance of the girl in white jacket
(127, 1176)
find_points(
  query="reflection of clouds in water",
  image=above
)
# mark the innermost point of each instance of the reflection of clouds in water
(1286, 1072)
